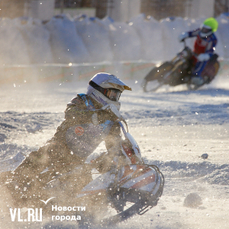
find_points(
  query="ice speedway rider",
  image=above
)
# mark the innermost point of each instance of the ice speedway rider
(89, 119)
(204, 47)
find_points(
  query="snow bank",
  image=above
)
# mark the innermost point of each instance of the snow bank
(151, 39)
(124, 41)
(36, 38)
(223, 35)
(13, 47)
(66, 44)
(95, 37)
(82, 39)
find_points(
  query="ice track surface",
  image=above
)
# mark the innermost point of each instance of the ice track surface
(173, 128)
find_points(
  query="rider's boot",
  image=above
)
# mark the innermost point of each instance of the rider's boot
(186, 79)
(197, 80)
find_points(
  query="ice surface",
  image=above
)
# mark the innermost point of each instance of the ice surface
(173, 128)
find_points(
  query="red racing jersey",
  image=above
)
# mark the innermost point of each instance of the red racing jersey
(203, 44)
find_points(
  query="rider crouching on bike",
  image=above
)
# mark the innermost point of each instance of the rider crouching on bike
(204, 47)
(89, 119)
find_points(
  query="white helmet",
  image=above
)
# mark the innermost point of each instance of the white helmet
(106, 88)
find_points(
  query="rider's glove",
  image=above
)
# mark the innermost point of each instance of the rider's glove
(112, 108)
(203, 57)
(183, 36)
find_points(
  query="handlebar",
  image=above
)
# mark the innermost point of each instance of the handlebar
(184, 42)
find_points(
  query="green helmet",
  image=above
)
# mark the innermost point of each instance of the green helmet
(209, 26)
(211, 22)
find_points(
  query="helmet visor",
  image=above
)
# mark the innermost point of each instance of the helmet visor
(205, 30)
(113, 94)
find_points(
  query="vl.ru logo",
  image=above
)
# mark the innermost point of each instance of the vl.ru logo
(33, 215)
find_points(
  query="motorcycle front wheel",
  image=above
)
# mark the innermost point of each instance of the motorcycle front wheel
(151, 86)
(154, 79)
(111, 215)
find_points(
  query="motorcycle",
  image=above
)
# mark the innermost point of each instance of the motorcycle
(126, 190)
(179, 71)
(125, 186)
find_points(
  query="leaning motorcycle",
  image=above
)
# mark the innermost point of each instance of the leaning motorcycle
(110, 189)
(179, 71)
(123, 191)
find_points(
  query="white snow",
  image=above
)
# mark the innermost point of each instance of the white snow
(82, 39)
(173, 126)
